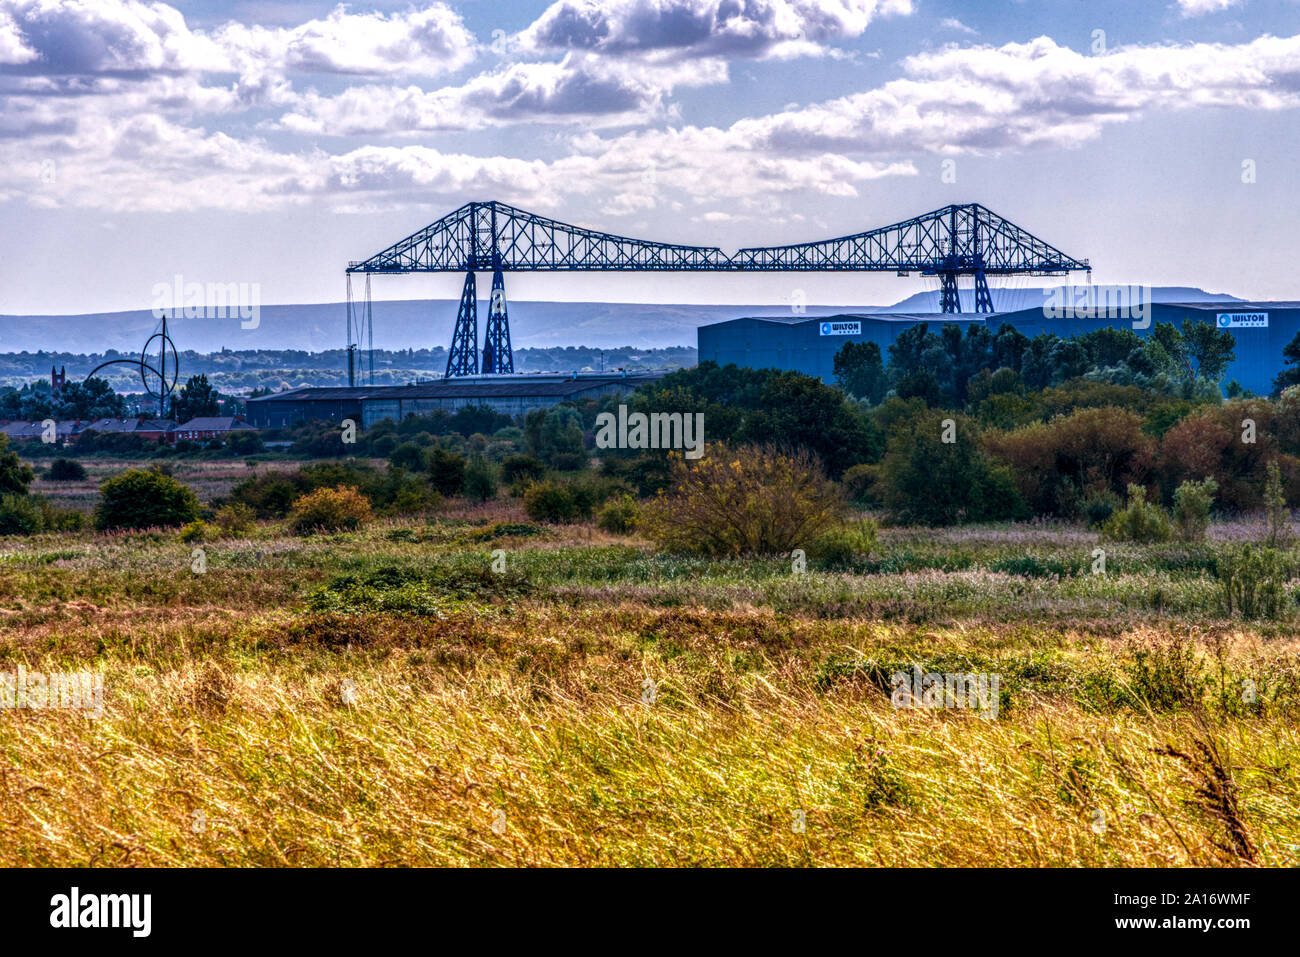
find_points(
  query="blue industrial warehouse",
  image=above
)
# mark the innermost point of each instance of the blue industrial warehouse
(809, 345)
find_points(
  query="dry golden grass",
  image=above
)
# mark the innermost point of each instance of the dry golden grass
(243, 728)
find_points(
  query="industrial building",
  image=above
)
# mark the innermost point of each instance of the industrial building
(807, 344)
(507, 394)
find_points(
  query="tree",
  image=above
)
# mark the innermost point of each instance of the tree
(1290, 375)
(930, 480)
(139, 498)
(1211, 349)
(802, 411)
(15, 474)
(197, 398)
(860, 371)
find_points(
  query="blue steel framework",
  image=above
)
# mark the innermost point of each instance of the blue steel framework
(957, 240)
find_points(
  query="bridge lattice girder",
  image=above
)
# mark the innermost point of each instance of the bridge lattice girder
(964, 239)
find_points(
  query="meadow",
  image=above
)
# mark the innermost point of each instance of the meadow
(473, 688)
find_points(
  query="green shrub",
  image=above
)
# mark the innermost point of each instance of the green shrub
(550, 501)
(1099, 506)
(234, 519)
(480, 479)
(1192, 502)
(521, 468)
(754, 500)
(139, 498)
(329, 509)
(1252, 581)
(841, 547)
(1279, 514)
(1139, 521)
(446, 471)
(19, 515)
(408, 455)
(860, 483)
(619, 515)
(66, 470)
(195, 531)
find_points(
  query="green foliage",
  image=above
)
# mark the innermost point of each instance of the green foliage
(1252, 581)
(860, 371)
(521, 468)
(1139, 521)
(234, 519)
(1279, 514)
(195, 531)
(618, 515)
(139, 498)
(929, 481)
(841, 547)
(15, 474)
(66, 470)
(753, 500)
(329, 509)
(552, 501)
(410, 456)
(1192, 503)
(446, 471)
(19, 514)
(195, 399)
(480, 479)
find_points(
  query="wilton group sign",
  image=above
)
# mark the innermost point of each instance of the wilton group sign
(841, 328)
(1243, 320)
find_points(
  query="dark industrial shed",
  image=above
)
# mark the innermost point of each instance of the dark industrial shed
(508, 394)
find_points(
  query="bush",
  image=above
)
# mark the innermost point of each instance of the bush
(751, 500)
(446, 471)
(619, 515)
(66, 470)
(195, 531)
(19, 515)
(329, 509)
(1139, 521)
(1252, 581)
(521, 468)
(841, 547)
(408, 455)
(1098, 507)
(234, 519)
(1279, 514)
(860, 482)
(550, 501)
(480, 480)
(139, 498)
(1192, 502)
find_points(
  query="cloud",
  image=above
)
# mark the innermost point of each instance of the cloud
(130, 37)
(1195, 8)
(1021, 95)
(726, 28)
(424, 42)
(593, 90)
(952, 23)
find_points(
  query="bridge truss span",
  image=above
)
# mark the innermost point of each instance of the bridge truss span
(953, 241)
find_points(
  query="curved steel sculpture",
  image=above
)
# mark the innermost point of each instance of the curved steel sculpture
(165, 386)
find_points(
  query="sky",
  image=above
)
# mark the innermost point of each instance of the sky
(271, 143)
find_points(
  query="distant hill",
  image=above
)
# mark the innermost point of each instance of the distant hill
(427, 323)
(1010, 299)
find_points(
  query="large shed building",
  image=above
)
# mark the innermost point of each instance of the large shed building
(809, 344)
(507, 394)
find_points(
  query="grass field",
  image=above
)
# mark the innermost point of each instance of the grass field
(385, 697)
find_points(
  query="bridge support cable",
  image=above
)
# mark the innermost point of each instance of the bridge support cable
(370, 334)
(463, 357)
